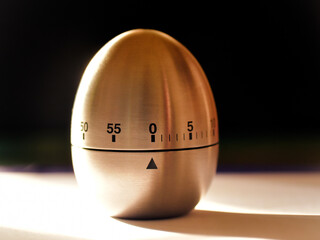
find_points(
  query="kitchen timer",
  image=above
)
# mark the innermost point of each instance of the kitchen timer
(144, 129)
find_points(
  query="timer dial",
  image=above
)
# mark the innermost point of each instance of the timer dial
(144, 129)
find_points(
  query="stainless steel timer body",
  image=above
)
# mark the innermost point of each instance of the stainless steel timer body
(144, 127)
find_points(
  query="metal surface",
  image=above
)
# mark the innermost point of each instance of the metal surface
(121, 181)
(144, 99)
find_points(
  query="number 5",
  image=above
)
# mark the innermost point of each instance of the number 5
(110, 128)
(190, 126)
(117, 128)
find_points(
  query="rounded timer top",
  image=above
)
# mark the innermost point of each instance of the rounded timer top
(144, 129)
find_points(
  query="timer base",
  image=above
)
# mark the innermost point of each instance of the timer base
(146, 185)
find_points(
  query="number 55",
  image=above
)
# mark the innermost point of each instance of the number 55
(114, 128)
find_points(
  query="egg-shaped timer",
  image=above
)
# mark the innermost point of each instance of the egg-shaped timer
(144, 129)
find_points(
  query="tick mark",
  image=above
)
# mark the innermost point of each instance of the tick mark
(190, 136)
(169, 137)
(113, 138)
(153, 138)
(161, 138)
(83, 136)
(184, 136)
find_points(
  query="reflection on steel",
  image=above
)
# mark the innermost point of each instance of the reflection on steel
(138, 124)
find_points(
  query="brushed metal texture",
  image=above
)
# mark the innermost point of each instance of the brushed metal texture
(126, 188)
(144, 128)
(139, 78)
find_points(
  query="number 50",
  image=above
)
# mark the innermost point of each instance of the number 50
(84, 126)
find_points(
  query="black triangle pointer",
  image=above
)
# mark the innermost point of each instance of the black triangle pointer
(152, 165)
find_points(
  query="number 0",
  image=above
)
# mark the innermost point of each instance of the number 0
(152, 128)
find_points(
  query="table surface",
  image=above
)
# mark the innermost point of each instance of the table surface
(238, 206)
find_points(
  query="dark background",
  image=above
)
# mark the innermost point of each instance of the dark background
(261, 58)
